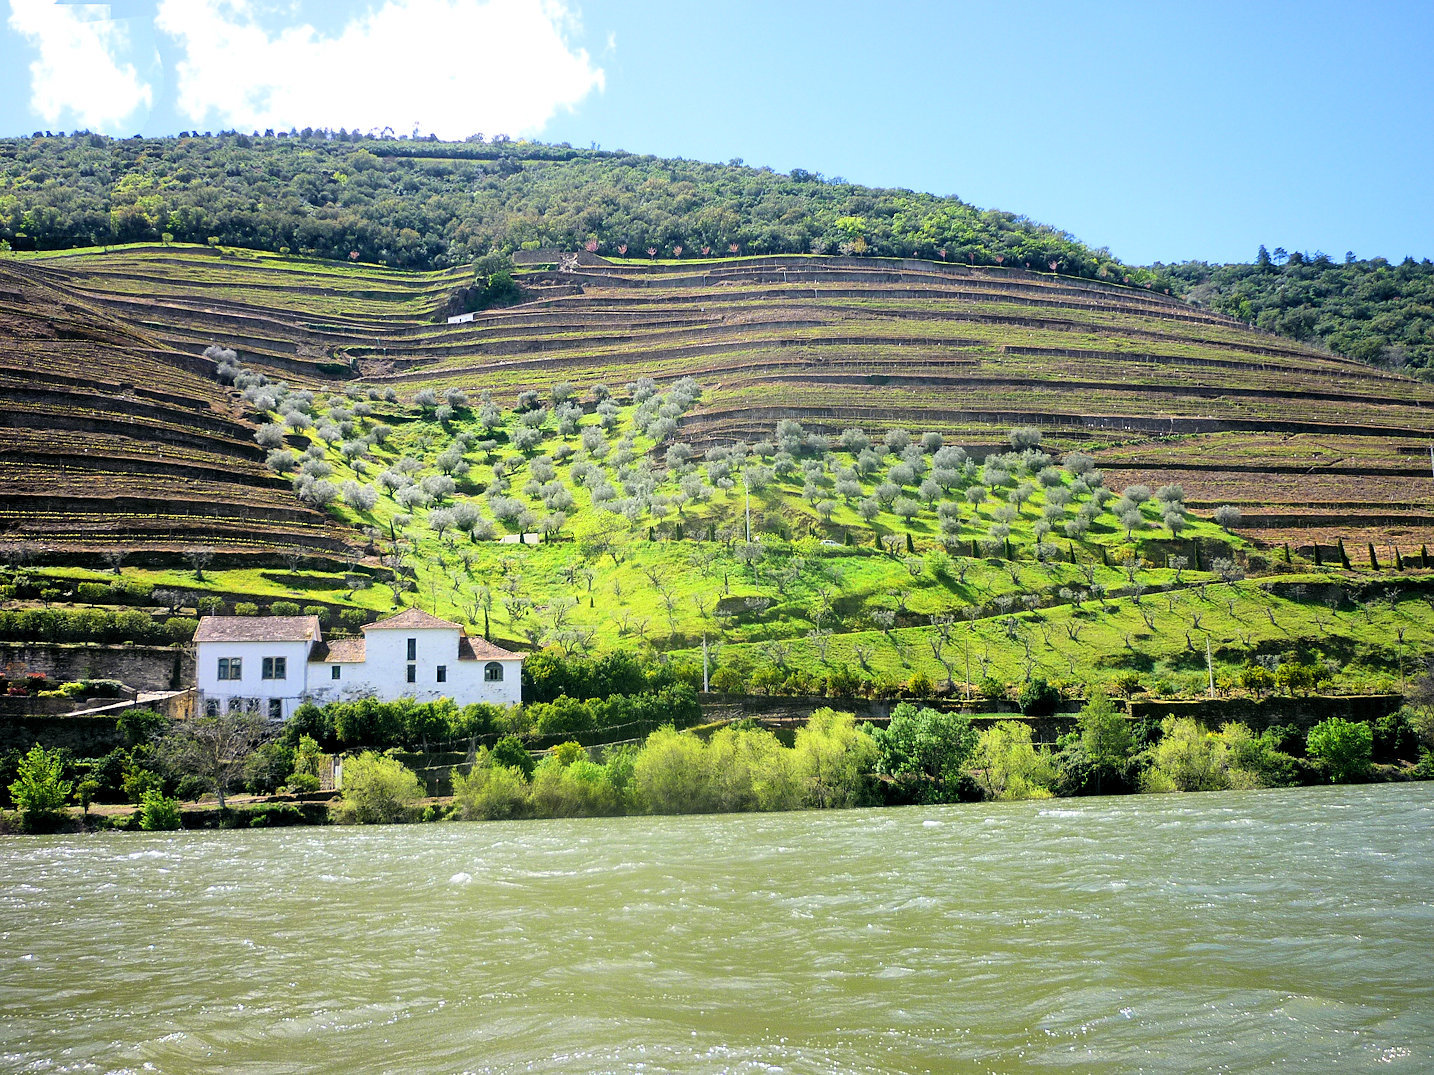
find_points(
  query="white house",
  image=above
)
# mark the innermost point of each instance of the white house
(272, 664)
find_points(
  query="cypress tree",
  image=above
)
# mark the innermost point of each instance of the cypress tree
(711, 531)
(1105, 556)
(679, 532)
(1287, 552)
(910, 545)
(1398, 559)
(1423, 555)
(876, 539)
(651, 536)
(1373, 560)
(1072, 550)
(974, 554)
(846, 537)
(1197, 557)
(1343, 556)
(1008, 550)
(1316, 554)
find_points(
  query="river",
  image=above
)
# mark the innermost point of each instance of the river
(1219, 932)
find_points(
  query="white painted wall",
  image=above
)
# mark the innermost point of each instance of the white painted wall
(382, 674)
(289, 690)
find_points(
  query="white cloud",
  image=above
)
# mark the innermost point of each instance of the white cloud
(454, 67)
(77, 72)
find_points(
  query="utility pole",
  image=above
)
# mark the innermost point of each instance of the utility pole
(748, 489)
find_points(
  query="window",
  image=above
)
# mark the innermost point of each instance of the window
(413, 673)
(230, 668)
(275, 668)
(493, 672)
(442, 673)
(211, 707)
(276, 707)
(236, 705)
(336, 672)
(413, 649)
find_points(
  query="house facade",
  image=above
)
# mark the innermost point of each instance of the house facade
(274, 664)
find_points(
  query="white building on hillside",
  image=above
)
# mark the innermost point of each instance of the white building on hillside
(273, 664)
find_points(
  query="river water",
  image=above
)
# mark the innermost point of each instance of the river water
(1288, 930)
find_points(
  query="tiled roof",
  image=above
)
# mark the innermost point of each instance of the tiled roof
(339, 651)
(480, 649)
(257, 629)
(412, 619)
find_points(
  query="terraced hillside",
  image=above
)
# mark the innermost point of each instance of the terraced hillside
(1311, 447)
(112, 439)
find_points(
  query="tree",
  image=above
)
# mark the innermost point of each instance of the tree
(1343, 749)
(39, 792)
(927, 747)
(214, 750)
(1105, 736)
(199, 559)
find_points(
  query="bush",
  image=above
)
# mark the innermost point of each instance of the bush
(284, 608)
(1342, 749)
(1038, 698)
(378, 791)
(157, 813)
(489, 792)
(140, 725)
(1012, 767)
(38, 792)
(509, 752)
(924, 751)
(246, 608)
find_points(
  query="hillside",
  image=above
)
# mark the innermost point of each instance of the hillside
(1371, 310)
(861, 556)
(430, 205)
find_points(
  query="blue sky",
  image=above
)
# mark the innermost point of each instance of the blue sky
(1161, 131)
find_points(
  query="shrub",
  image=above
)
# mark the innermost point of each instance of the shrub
(378, 790)
(833, 760)
(510, 752)
(1343, 749)
(489, 791)
(1186, 758)
(38, 792)
(1038, 698)
(140, 725)
(284, 608)
(925, 752)
(1012, 767)
(246, 608)
(157, 813)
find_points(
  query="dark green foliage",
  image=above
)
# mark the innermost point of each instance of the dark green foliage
(437, 205)
(1038, 698)
(509, 752)
(547, 675)
(924, 752)
(1370, 310)
(1095, 758)
(1395, 737)
(268, 768)
(314, 721)
(82, 625)
(284, 608)
(140, 725)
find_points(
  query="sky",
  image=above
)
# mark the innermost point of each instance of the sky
(1162, 131)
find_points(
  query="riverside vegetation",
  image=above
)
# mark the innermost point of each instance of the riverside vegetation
(920, 755)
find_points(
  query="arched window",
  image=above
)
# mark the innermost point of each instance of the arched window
(493, 672)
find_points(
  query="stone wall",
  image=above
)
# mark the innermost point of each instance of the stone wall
(1259, 714)
(146, 668)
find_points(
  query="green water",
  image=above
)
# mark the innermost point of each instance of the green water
(1286, 930)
